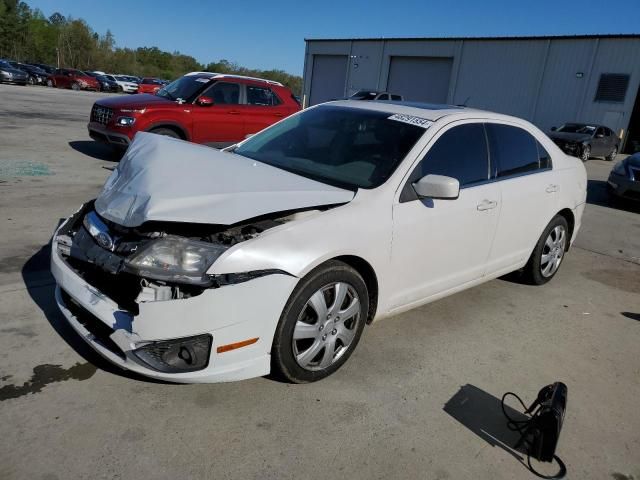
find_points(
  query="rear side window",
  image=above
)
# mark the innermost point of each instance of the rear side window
(261, 96)
(396, 97)
(513, 150)
(543, 156)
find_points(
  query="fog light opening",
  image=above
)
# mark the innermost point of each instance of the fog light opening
(177, 356)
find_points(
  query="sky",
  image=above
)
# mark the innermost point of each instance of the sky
(270, 34)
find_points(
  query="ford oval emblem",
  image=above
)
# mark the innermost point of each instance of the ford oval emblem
(104, 240)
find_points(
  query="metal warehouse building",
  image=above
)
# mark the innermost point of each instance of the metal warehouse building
(547, 80)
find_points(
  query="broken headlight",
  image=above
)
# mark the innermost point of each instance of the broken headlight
(175, 259)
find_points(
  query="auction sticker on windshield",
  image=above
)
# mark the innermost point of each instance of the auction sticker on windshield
(411, 120)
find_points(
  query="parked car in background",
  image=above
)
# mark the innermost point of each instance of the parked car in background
(585, 140)
(150, 85)
(74, 79)
(373, 95)
(197, 265)
(126, 83)
(108, 84)
(624, 179)
(10, 74)
(37, 76)
(47, 68)
(202, 107)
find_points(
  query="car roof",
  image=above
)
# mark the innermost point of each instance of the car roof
(428, 111)
(213, 75)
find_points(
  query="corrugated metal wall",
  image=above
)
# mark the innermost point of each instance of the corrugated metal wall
(548, 81)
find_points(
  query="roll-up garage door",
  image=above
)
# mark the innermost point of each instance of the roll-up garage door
(420, 79)
(328, 78)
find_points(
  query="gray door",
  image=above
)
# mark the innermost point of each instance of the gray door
(420, 79)
(328, 78)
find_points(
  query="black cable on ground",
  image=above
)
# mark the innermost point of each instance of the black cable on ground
(522, 427)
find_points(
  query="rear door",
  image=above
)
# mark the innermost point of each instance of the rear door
(262, 108)
(529, 191)
(221, 124)
(599, 144)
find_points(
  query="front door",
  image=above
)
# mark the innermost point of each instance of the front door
(222, 123)
(439, 245)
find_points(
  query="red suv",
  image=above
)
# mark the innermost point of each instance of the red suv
(214, 109)
(74, 79)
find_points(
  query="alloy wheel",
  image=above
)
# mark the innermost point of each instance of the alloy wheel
(586, 153)
(326, 326)
(553, 251)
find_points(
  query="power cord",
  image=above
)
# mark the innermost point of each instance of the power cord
(528, 427)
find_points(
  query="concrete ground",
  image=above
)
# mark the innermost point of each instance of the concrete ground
(418, 399)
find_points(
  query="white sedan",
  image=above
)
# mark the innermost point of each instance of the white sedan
(198, 265)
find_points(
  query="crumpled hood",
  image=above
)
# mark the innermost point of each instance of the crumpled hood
(165, 179)
(572, 137)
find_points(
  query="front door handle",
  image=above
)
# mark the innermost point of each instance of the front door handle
(234, 112)
(487, 205)
(552, 188)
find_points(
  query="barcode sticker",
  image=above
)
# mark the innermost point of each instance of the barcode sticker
(411, 120)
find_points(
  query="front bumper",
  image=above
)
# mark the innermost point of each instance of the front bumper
(230, 314)
(100, 133)
(624, 187)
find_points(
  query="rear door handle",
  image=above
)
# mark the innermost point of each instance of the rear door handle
(234, 112)
(552, 188)
(487, 205)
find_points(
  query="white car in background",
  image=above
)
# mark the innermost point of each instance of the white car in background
(125, 83)
(199, 265)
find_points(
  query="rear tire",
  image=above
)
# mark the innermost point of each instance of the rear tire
(167, 132)
(50, 83)
(612, 156)
(321, 324)
(549, 252)
(75, 86)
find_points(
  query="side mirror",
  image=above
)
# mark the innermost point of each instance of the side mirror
(437, 186)
(553, 129)
(205, 101)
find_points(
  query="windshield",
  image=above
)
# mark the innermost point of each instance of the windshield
(341, 146)
(185, 88)
(577, 128)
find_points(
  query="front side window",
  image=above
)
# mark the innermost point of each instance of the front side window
(224, 93)
(261, 96)
(346, 147)
(513, 150)
(460, 153)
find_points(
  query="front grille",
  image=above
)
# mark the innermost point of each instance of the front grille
(101, 114)
(100, 331)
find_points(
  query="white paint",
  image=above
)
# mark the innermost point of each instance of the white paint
(420, 250)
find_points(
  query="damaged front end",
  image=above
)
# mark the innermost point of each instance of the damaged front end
(143, 294)
(157, 261)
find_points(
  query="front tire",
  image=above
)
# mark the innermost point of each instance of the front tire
(50, 83)
(75, 86)
(549, 252)
(167, 132)
(321, 323)
(612, 156)
(585, 153)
